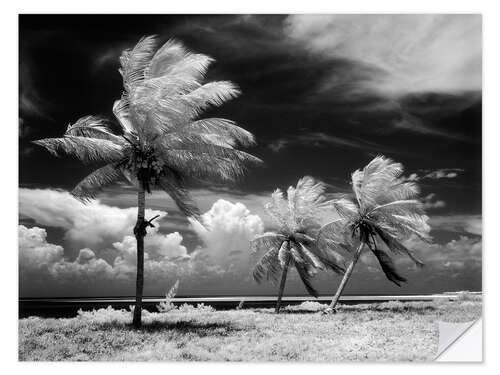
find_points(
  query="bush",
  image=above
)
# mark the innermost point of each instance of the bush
(186, 308)
(166, 305)
(107, 315)
(310, 306)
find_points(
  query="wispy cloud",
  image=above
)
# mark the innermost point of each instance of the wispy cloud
(408, 53)
(320, 139)
(431, 202)
(462, 224)
(435, 174)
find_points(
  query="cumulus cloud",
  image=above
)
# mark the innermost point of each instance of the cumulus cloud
(408, 53)
(457, 254)
(34, 251)
(93, 224)
(226, 232)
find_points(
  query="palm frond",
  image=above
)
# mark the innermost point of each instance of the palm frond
(335, 236)
(345, 208)
(122, 114)
(212, 94)
(283, 253)
(203, 166)
(377, 178)
(399, 190)
(266, 241)
(395, 246)
(220, 127)
(88, 188)
(400, 207)
(92, 127)
(310, 201)
(88, 150)
(308, 256)
(388, 267)
(175, 187)
(277, 208)
(268, 266)
(135, 61)
(174, 59)
(305, 274)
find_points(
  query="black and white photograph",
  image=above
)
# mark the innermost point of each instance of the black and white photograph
(249, 187)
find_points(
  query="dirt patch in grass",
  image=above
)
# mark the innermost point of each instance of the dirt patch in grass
(392, 331)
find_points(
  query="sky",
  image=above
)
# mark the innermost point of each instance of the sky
(323, 95)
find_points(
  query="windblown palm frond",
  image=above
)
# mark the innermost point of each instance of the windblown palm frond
(92, 127)
(268, 240)
(174, 185)
(88, 150)
(268, 266)
(135, 61)
(88, 188)
(386, 208)
(173, 59)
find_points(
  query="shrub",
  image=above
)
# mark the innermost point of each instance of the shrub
(310, 306)
(166, 305)
(107, 315)
(186, 308)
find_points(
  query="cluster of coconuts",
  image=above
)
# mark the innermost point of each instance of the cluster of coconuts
(147, 167)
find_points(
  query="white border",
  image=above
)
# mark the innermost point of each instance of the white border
(9, 102)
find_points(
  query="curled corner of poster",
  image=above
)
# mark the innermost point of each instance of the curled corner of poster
(460, 342)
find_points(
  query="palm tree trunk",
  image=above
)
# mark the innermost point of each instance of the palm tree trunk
(282, 283)
(346, 277)
(140, 233)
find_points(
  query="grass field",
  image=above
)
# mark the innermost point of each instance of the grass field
(391, 331)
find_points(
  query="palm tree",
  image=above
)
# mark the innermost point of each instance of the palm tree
(162, 141)
(385, 212)
(298, 217)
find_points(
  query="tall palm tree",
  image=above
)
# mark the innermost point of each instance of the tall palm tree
(385, 212)
(298, 217)
(162, 141)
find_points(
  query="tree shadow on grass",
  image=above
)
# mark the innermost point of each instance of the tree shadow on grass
(352, 309)
(184, 327)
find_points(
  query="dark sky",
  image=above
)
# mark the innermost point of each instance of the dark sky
(322, 94)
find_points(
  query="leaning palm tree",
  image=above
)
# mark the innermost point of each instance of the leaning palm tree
(162, 142)
(385, 212)
(298, 217)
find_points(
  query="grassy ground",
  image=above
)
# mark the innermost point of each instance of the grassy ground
(392, 331)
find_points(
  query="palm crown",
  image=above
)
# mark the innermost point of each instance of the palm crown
(298, 217)
(385, 211)
(162, 141)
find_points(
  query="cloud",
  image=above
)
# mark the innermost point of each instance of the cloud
(463, 224)
(158, 246)
(92, 224)
(435, 174)
(34, 250)
(407, 53)
(430, 202)
(320, 139)
(457, 254)
(204, 198)
(223, 252)
(226, 232)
